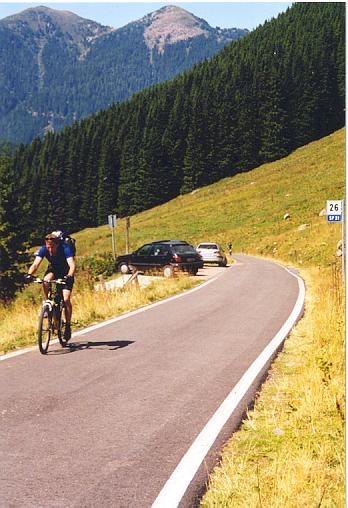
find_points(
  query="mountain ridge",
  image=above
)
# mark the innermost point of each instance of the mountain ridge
(253, 103)
(70, 67)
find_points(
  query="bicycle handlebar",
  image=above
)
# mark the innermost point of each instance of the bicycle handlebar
(56, 281)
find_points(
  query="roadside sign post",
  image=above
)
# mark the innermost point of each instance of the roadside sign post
(335, 213)
(343, 237)
(112, 225)
(127, 234)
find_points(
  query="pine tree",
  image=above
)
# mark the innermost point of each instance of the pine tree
(273, 119)
(127, 200)
(195, 164)
(247, 132)
(89, 184)
(107, 181)
(12, 245)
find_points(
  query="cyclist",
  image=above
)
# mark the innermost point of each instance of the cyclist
(61, 266)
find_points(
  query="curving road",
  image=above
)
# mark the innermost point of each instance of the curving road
(106, 421)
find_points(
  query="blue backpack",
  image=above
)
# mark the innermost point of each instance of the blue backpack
(67, 239)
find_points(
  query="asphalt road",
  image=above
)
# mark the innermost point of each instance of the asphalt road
(106, 421)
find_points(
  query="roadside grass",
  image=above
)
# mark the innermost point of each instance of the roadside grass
(18, 321)
(289, 451)
(97, 306)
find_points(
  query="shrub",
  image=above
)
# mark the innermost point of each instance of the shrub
(99, 264)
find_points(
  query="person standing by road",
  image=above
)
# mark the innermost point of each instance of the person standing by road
(61, 266)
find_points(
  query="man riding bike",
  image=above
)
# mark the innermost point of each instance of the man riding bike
(61, 266)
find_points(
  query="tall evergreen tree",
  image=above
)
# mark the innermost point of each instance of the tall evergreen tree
(107, 181)
(273, 119)
(12, 244)
(195, 163)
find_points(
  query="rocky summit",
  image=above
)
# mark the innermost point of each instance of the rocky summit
(170, 25)
(42, 24)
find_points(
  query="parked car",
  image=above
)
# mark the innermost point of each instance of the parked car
(212, 253)
(166, 256)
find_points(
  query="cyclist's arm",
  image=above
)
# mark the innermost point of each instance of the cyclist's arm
(35, 265)
(72, 266)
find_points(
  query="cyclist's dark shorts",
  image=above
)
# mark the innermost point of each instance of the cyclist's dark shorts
(59, 275)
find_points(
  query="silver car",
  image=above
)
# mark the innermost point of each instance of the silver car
(212, 253)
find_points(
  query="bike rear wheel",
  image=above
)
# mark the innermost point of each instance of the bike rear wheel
(45, 329)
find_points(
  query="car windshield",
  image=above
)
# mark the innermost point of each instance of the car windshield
(184, 249)
(207, 246)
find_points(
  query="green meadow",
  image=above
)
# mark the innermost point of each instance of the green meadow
(248, 210)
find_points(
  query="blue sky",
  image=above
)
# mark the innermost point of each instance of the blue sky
(116, 14)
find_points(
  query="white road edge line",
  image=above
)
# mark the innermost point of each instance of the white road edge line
(115, 319)
(177, 484)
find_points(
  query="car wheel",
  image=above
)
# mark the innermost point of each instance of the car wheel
(168, 271)
(193, 271)
(123, 268)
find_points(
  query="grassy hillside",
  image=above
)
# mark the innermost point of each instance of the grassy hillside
(248, 210)
(290, 449)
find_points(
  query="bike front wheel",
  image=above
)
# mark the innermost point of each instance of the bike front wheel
(45, 329)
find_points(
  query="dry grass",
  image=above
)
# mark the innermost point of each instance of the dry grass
(290, 449)
(90, 306)
(18, 322)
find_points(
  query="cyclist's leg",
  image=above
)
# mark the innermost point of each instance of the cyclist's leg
(67, 312)
(67, 302)
(67, 305)
(49, 275)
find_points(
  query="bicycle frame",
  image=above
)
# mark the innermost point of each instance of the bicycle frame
(52, 299)
(51, 314)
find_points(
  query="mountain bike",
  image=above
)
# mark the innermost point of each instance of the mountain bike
(51, 318)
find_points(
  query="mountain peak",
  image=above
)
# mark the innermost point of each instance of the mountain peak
(34, 16)
(171, 24)
(45, 23)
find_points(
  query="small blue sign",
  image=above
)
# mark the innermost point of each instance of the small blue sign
(334, 218)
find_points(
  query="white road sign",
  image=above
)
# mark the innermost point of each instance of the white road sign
(112, 221)
(334, 210)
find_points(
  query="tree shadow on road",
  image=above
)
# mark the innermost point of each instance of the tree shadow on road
(110, 345)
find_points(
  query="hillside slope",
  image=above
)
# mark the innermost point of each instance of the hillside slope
(68, 67)
(223, 117)
(248, 210)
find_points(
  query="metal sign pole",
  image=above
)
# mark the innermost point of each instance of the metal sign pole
(113, 243)
(127, 234)
(335, 213)
(343, 245)
(112, 225)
